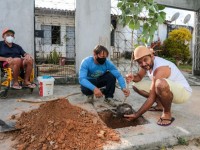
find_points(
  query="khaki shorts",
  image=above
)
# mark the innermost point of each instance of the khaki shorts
(180, 94)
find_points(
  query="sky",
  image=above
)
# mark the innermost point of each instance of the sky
(56, 4)
(70, 5)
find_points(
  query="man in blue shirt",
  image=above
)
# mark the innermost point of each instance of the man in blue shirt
(13, 56)
(97, 71)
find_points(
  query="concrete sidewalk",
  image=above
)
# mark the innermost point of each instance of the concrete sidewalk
(147, 136)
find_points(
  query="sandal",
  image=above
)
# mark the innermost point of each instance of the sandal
(17, 87)
(167, 124)
(30, 85)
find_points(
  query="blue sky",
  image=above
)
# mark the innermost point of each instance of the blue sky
(70, 5)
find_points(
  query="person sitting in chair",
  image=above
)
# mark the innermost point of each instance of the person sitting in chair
(14, 57)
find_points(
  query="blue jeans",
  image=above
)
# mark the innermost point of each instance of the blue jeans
(107, 79)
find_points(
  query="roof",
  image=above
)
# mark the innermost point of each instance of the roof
(45, 10)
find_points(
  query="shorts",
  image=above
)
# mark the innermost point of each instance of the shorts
(3, 64)
(180, 94)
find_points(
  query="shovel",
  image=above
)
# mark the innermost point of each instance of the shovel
(4, 127)
(127, 85)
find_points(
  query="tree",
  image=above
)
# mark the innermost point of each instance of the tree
(151, 14)
(177, 45)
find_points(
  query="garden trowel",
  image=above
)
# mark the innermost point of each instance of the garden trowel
(4, 127)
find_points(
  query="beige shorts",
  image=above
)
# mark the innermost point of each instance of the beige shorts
(180, 94)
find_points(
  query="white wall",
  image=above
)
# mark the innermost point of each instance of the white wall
(125, 39)
(92, 24)
(162, 32)
(19, 16)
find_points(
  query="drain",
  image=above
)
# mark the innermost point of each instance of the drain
(113, 121)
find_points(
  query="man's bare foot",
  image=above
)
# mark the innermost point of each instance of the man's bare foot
(16, 86)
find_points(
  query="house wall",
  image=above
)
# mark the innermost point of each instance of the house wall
(92, 24)
(19, 16)
(162, 32)
(125, 38)
(53, 20)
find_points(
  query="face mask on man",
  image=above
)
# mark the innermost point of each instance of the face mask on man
(101, 61)
(9, 39)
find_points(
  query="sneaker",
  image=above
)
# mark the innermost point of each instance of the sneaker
(110, 101)
(90, 99)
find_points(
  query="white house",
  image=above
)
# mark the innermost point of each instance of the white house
(54, 30)
(123, 38)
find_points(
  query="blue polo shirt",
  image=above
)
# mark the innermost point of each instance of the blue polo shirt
(15, 51)
(90, 70)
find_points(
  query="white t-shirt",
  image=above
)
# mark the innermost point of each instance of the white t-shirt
(175, 76)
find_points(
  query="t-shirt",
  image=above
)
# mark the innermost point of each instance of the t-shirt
(15, 51)
(175, 76)
(90, 70)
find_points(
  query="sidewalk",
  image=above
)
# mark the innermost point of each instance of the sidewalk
(148, 136)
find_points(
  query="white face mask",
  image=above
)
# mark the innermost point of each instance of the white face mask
(10, 39)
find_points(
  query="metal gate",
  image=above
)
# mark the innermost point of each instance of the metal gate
(55, 43)
(122, 43)
(70, 44)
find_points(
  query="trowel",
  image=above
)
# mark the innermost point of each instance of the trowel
(121, 110)
(4, 127)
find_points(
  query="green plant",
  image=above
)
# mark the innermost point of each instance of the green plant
(133, 12)
(177, 45)
(163, 147)
(182, 35)
(189, 62)
(66, 38)
(53, 57)
(170, 59)
(186, 68)
(182, 141)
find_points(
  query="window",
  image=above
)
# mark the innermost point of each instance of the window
(55, 32)
(51, 34)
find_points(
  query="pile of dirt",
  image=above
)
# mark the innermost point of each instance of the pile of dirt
(60, 125)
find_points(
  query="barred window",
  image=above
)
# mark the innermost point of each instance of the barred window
(51, 35)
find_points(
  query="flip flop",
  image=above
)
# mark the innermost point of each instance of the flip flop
(31, 85)
(170, 121)
(153, 108)
(17, 87)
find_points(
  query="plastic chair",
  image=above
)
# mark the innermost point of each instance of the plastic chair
(6, 81)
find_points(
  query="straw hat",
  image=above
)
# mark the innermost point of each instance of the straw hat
(141, 51)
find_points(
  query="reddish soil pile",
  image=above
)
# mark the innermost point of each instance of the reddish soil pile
(60, 125)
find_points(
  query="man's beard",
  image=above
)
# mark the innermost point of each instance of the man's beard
(148, 67)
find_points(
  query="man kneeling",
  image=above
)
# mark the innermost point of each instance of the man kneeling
(96, 72)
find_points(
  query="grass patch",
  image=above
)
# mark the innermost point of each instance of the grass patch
(186, 68)
(182, 141)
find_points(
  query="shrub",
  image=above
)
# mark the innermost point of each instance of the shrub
(53, 57)
(177, 45)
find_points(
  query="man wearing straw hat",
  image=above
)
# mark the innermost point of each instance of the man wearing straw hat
(167, 85)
